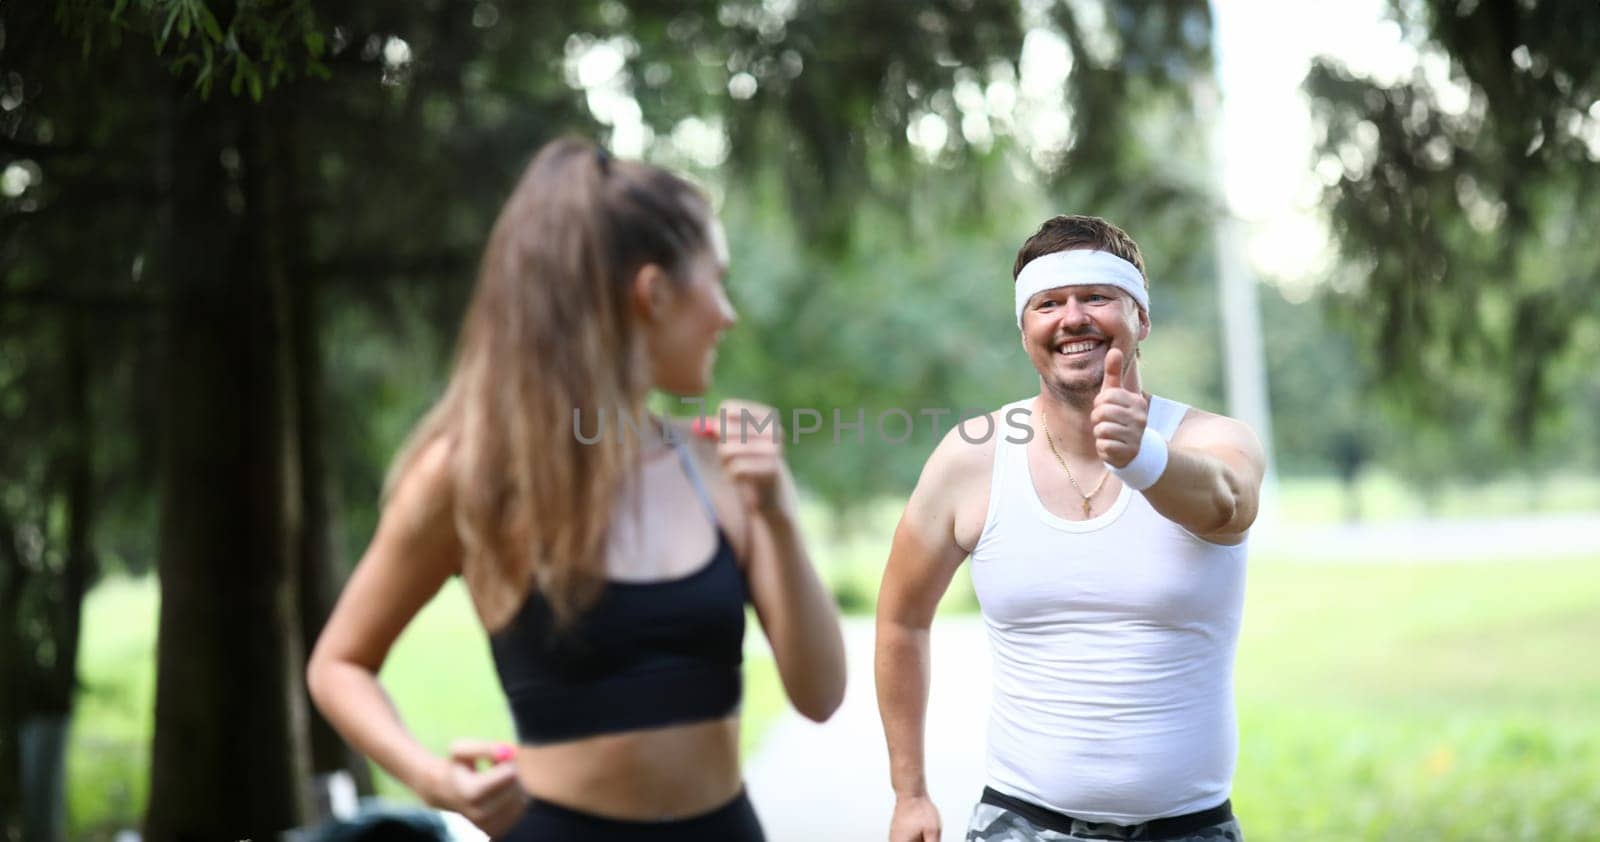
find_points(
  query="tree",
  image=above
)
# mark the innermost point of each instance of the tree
(216, 249)
(908, 309)
(69, 324)
(1460, 205)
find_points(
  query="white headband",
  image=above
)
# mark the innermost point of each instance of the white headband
(1079, 267)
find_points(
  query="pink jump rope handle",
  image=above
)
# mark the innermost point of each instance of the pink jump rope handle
(503, 752)
(703, 428)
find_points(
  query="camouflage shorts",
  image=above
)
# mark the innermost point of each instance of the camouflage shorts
(991, 823)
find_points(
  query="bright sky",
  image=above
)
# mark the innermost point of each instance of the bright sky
(1264, 48)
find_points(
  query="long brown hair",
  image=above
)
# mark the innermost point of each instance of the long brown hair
(548, 336)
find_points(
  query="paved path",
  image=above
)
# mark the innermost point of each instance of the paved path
(831, 782)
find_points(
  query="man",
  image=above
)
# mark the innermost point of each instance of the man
(1106, 531)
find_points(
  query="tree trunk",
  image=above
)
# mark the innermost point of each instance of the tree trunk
(319, 572)
(230, 757)
(318, 578)
(77, 463)
(11, 664)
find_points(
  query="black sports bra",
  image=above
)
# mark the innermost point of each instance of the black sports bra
(644, 655)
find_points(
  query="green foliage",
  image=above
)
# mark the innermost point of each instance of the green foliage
(819, 172)
(1462, 205)
(262, 45)
(1317, 378)
(1320, 371)
(906, 321)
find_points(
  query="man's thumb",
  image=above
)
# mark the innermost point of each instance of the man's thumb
(1113, 378)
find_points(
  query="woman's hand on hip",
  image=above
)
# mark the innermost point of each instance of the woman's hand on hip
(492, 799)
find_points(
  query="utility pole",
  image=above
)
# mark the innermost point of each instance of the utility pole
(1244, 361)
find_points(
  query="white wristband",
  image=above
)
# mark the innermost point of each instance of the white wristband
(1147, 465)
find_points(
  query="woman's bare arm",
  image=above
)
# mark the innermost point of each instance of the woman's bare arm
(414, 551)
(796, 610)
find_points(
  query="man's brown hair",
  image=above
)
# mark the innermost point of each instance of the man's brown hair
(1064, 233)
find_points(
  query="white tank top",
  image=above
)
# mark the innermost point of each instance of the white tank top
(1113, 642)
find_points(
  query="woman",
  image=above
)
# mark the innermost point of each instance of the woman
(608, 562)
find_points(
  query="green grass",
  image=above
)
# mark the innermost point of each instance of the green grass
(1438, 702)
(1382, 496)
(108, 750)
(850, 558)
(439, 675)
(1376, 702)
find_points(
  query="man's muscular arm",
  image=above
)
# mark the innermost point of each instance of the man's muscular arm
(1212, 482)
(922, 560)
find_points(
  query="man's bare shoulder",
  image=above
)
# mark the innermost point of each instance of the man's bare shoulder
(966, 447)
(1201, 428)
(967, 451)
(955, 484)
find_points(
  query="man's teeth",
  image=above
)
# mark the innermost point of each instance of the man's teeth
(1077, 347)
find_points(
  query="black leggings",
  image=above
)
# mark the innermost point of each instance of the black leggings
(545, 822)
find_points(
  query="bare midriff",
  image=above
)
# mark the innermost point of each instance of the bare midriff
(658, 774)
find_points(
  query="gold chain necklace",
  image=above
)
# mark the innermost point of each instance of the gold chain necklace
(1070, 478)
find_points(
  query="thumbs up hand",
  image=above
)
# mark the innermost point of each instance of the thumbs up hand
(1120, 412)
